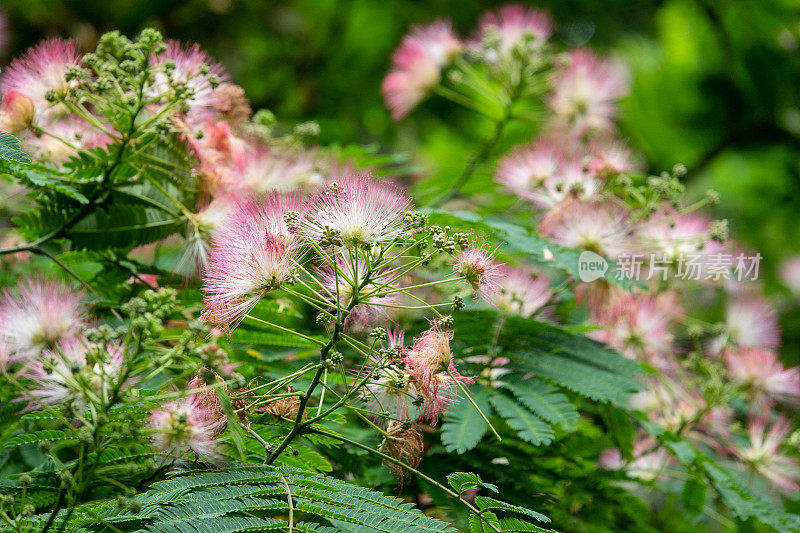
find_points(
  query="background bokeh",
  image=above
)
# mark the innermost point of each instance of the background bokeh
(715, 84)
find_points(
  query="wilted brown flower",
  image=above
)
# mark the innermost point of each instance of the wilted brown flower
(283, 408)
(405, 445)
(232, 104)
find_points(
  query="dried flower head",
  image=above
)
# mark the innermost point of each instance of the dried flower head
(404, 445)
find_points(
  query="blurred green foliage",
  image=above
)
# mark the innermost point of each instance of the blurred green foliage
(714, 82)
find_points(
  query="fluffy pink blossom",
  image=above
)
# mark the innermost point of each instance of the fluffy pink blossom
(763, 455)
(480, 269)
(38, 314)
(430, 362)
(190, 423)
(40, 69)
(61, 373)
(359, 210)
(752, 321)
(610, 159)
(250, 256)
(668, 401)
(520, 291)
(675, 236)
(515, 25)
(638, 328)
(645, 466)
(188, 59)
(219, 153)
(206, 224)
(417, 64)
(762, 371)
(585, 91)
(542, 173)
(265, 170)
(600, 227)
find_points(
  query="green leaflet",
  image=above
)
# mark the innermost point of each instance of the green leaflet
(254, 497)
(544, 401)
(529, 427)
(41, 177)
(463, 426)
(461, 481)
(10, 149)
(122, 226)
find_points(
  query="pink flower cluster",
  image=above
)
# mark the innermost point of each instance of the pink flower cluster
(424, 382)
(190, 423)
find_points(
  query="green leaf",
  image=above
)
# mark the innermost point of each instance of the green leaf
(35, 437)
(693, 495)
(461, 481)
(485, 502)
(39, 177)
(123, 226)
(529, 427)
(463, 425)
(543, 400)
(11, 150)
(254, 497)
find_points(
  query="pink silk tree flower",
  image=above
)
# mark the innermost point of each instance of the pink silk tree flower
(610, 159)
(265, 170)
(191, 423)
(417, 66)
(675, 236)
(62, 374)
(251, 256)
(543, 174)
(520, 291)
(189, 61)
(761, 371)
(512, 25)
(37, 315)
(600, 227)
(50, 146)
(480, 269)
(764, 457)
(40, 69)
(430, 362)
(752, 321)
(586, 89)
(639, 329)
(357, 210)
